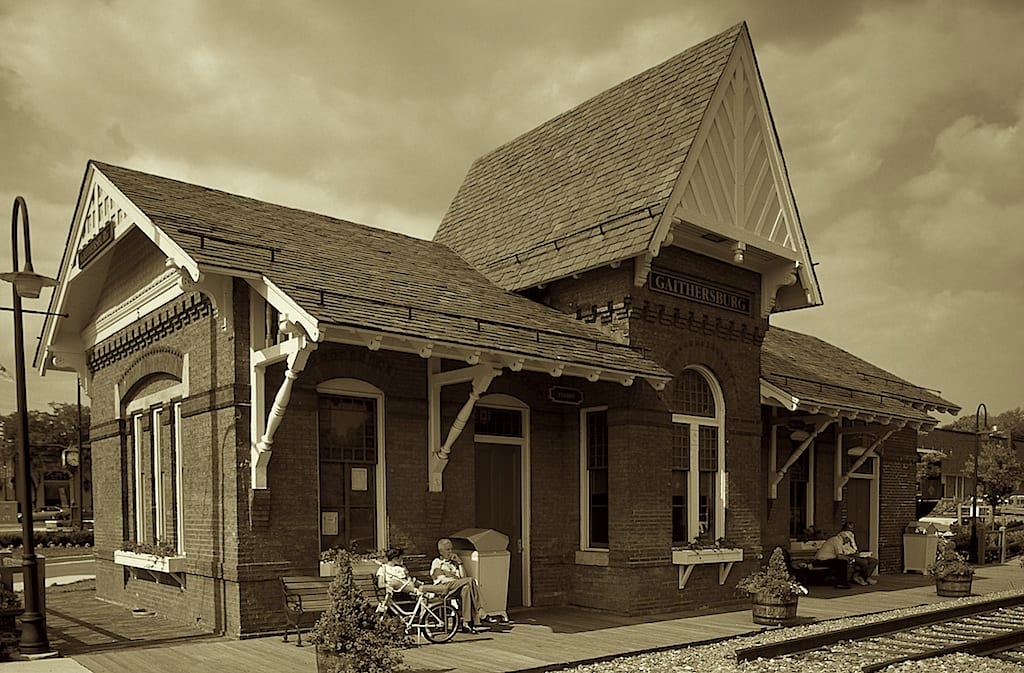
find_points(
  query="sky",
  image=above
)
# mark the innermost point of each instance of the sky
(900, 122)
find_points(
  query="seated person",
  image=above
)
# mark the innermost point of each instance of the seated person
(863, 566)
(832, 554)
(393, 575)
(447, 571)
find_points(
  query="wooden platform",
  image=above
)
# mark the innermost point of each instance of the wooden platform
(108, 639)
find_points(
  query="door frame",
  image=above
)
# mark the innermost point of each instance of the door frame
(873, 497)
(500, 401)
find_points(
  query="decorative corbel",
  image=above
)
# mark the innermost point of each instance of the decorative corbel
(871, 452)
(480, 376)
(773, 485)
(299, 348)
(774, 280)
(216, 287)
(76, 361)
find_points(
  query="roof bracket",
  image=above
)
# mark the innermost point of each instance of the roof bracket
(773, 485)
(480, 376)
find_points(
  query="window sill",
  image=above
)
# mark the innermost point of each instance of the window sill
(592, 557)
(687, 559)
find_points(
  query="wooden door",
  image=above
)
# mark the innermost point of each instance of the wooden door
(499, 505)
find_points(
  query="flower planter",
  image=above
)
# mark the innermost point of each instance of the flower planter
(954, 586)
(774, 611)
(328, 661)
(159, 564)
(688, 559)
(8, 625)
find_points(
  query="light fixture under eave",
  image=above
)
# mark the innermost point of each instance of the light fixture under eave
(799, 435)
(28, 284)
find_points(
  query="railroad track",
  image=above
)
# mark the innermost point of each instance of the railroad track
(985, 628)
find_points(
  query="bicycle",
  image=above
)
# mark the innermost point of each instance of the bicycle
(435, 616)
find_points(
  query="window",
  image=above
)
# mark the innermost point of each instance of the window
(157, 507)
(799, 494)
(698, 496)
(594, 486)
(350, 449)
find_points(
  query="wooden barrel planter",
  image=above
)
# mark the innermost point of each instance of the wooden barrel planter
(954, 586)
(774, 611)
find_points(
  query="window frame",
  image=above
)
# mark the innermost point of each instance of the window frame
(586, 544)
(721, 480)
(345, 387)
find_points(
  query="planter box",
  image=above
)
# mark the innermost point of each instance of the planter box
(330, 568)
(687, 559)
(698, 556)
(150, 562)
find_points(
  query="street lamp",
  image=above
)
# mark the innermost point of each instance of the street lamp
(26, 284)
(974, 499)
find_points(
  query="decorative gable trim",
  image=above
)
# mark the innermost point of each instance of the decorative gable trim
(734, 185)
(103, 216)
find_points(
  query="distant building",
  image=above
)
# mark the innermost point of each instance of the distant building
(951, 454)
(582, 359)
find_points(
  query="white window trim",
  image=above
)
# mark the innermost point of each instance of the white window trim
(179, 507)
(137, 450)
(585, 545)
(693, 474)
(158, 475)
(360, 388)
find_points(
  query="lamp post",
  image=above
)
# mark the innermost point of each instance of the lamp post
(974, 498)
(27, 284)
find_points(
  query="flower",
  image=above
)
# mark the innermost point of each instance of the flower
(948, 563)
(774, 580)
(8, 599)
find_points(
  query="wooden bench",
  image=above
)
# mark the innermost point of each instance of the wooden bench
(805, 567)
(306, 598)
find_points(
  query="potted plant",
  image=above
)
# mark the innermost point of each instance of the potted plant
(774, 590)
(951, 572)
(10, 607)
(351, 635)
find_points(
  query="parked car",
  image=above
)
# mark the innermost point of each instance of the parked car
(47, 512)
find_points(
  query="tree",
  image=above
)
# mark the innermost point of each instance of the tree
(49, 432)
(1011, 421)
(999, 471)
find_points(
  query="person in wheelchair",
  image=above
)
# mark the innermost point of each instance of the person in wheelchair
(447, 571)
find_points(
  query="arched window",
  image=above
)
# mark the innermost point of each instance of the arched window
(698, 456)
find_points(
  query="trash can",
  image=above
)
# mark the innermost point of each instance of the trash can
(919, 546)
(484, 554)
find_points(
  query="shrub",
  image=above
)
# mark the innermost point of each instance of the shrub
(352, 628)
(773, 580)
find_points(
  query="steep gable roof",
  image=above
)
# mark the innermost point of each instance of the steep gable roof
(588, 187)
(820, 375)
(346, 274)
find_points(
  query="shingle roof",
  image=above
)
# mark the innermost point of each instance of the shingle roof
(586, 188)
(819, 373)
(351, 274)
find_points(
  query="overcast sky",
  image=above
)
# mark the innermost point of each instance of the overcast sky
(901, 124)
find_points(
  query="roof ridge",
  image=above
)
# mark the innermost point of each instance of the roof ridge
(620, 85)
(386, 232)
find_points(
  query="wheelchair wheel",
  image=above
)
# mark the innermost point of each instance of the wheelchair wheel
(441, 623)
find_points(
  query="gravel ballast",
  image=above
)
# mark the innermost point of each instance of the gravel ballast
(720, 657)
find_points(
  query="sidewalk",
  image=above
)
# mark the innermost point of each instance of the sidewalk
(102, 638)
